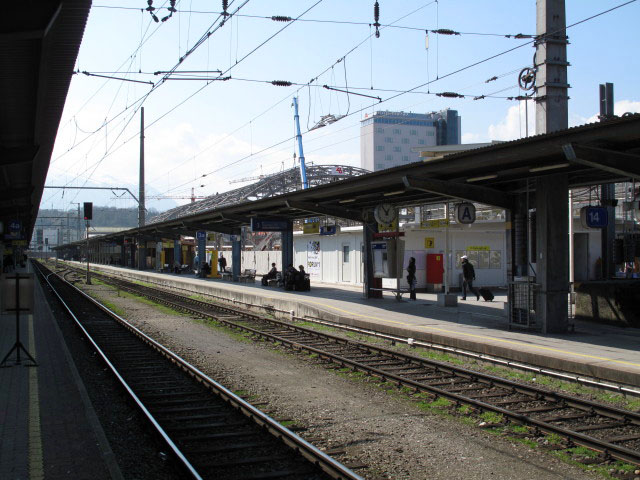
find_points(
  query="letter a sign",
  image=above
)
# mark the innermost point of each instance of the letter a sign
(466, 212)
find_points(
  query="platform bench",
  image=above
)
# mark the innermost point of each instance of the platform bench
(398, 292)
(249, 275)
(226, 275)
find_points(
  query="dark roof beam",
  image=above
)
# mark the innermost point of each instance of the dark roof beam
(619, 163)
(323, 210)
(472, 193)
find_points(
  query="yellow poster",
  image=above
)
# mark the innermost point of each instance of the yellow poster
(441, 222)
(479, 248)
(429, 242)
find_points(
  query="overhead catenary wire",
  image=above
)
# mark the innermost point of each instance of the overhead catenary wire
(459, 70)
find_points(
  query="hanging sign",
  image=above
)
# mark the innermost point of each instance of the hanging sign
(594, 217)
(201, 235)
(313, 227)
(259, 224)
(466, 213)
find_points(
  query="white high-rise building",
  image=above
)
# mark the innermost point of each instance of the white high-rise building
(387, 138)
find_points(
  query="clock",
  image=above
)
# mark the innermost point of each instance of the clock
(385, 213)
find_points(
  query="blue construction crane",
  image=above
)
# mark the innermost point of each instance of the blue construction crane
(303, 170)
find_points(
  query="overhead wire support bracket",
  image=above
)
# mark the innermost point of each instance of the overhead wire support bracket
(351, 93)
(88, 74)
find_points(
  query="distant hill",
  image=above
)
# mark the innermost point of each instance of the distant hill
(102, 217)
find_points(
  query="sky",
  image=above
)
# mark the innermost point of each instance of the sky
(208, 134)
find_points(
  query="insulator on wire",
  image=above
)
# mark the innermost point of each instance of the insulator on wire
(445, 31)
(491, 79)
(280, 18)
(376, 18)
(450, 95)
(479, 97)
(225, 6)
(281, 83)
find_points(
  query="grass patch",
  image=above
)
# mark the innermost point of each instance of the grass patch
(114, 308)
(491, 417)
(518, 428)
(158, 306)
(288, 423)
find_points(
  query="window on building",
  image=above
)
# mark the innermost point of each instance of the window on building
(421, 141)
(379, 166)
(379, 130)
(413, 132)
(380, 148)
(430, 133)
(396, 131)
(405, 158)
(345, 253)
(388, 139)
(405, 141)
(397, 149)
(388, 158)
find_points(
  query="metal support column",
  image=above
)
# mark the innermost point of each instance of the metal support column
(202, 251)
(177, 252)
(608, 234)
(287, 247)
(236, 255)
(368, 229)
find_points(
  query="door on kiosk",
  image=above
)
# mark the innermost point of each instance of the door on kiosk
(435, 267)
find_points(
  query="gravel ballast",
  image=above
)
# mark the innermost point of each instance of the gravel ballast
(386, 434)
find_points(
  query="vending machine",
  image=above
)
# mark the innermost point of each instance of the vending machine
(387, 256)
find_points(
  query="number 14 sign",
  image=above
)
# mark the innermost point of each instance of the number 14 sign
(594, 217)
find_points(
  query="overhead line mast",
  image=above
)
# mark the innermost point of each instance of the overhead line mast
(303, 170)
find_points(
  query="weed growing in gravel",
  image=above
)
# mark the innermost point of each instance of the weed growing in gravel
(491, 417)
(515, 428)
(555, 439)
(612, 471)
(162, 308)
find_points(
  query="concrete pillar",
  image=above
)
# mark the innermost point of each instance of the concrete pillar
(608, 234)
(123, 254)
(552, 252)
(236, 255)
(551, 59)
(368, 229)
(287, 247)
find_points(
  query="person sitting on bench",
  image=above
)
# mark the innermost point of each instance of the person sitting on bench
(273, 273)
(290, 276)
(302, 282)
(206, 269)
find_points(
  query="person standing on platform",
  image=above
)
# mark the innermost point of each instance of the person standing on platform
(468, 276)
(411, 278)
(222, 263)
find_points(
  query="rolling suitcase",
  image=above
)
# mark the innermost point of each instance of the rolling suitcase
(486, 294)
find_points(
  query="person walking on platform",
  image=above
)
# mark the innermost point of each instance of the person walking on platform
(468, 276)
(222, 263)
(411, 278)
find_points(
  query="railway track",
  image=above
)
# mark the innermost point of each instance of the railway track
(613, 432)
(211, 432)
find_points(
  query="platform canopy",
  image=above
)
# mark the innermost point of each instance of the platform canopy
(39, 42)
(591, 154)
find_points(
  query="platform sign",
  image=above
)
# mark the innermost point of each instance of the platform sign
(329, 230)
(201, 235)
(269, 224)
(594, 217)
(466, 213)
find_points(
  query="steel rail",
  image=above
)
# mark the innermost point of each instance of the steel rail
(165, 437)
(593, 382)
(329, 465)
(606, 448)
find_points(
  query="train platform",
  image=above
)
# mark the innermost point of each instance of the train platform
(48, 428)
(602, 352)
